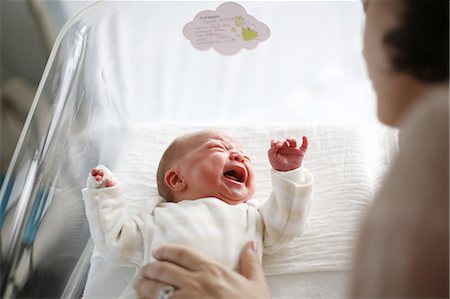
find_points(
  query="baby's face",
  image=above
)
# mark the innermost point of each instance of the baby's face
(217, 167)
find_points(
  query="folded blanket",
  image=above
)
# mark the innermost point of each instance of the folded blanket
(347, 163)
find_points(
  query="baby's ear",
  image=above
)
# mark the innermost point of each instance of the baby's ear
(174, 181)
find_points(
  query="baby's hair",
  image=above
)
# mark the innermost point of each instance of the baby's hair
(171, 155)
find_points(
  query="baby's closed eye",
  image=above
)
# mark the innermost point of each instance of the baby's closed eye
(217, 145)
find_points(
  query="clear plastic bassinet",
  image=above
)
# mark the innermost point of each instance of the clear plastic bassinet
(118, 64)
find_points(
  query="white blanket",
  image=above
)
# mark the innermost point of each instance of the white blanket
(346, 161)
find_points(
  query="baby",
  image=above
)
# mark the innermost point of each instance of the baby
(206, 179)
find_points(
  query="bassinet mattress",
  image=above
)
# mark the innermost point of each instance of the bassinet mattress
(347, 163)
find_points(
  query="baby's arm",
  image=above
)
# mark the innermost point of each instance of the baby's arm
(116, 236)
(285, 212)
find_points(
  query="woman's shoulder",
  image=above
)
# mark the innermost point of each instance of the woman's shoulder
(420, 170)
(431, 106)
(428, 121)
(423, 159)
(407, 226)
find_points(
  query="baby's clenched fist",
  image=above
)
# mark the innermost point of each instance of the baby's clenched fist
(284, 155)
(101, 177)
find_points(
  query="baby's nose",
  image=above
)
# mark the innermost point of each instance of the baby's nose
(236, 156)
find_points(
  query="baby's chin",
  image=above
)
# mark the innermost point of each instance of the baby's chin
(234, 196)
(233, 202)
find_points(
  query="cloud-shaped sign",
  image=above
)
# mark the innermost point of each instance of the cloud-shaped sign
(227, 30)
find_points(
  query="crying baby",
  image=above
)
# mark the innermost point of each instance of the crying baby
(206, 179)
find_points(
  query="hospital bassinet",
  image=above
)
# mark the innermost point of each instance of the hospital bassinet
(119, 64)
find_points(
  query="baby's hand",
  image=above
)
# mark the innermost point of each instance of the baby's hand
(101, 177)
(284, 154)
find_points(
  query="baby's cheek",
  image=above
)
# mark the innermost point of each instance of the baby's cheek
(208, 177)
(251, 189)
(251, 184)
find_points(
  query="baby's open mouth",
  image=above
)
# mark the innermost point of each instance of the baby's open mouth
(237, 174)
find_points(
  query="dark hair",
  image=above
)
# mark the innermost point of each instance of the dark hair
(421, 43)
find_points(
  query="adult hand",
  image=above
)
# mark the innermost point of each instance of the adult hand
(284, 155)
(194, 275)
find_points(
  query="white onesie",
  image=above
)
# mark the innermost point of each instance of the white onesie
(208, 225)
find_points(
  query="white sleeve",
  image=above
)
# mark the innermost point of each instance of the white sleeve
(117, 237)
(285, 213)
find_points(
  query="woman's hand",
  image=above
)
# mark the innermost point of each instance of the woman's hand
(194, 275)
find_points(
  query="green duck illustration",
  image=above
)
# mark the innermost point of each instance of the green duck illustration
(248, 34)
